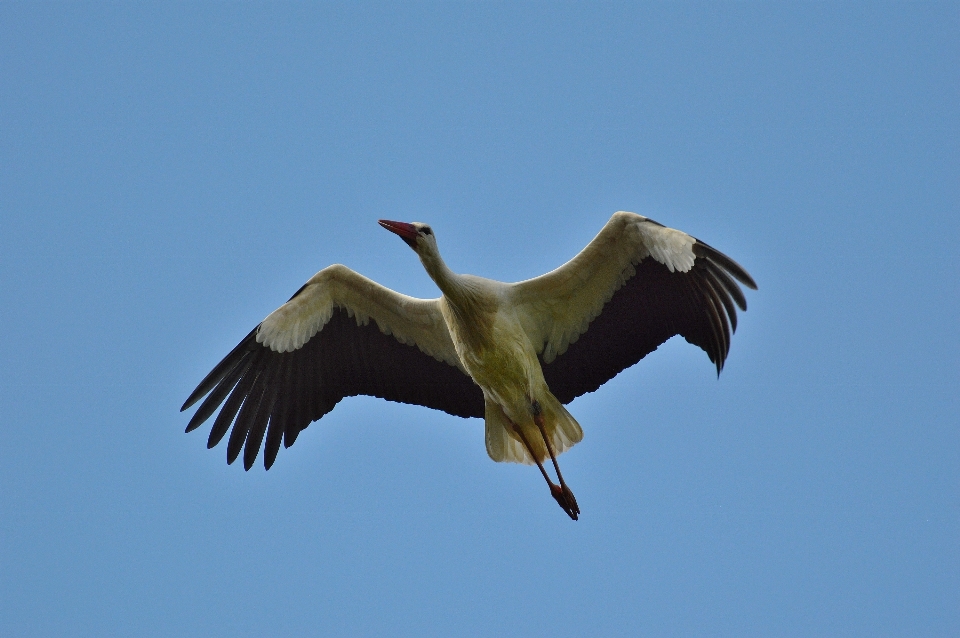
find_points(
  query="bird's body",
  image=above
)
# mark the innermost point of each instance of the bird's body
(511, 353)
(500, 358)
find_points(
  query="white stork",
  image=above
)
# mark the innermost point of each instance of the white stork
(513, 354)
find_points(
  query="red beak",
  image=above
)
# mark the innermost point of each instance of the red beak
(407, 232)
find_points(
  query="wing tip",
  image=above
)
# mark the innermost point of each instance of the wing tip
(222, 369)
(703, 249)
(193, 398)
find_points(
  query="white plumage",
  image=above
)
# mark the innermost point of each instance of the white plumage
(512, 353)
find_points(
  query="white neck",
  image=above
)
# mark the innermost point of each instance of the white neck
(447, 281)
(472, 308)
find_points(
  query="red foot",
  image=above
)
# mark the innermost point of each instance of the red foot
(565, 499)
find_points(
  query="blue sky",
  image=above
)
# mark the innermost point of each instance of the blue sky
(171, 173)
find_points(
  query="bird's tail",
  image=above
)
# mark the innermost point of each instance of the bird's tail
(504, 445)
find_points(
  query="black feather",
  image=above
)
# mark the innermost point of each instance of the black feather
(247, 344)
(728, 284)
(241, 426)
(258, 426)
(701, 249)
(277, 416)
(230, 408)
(215, 398)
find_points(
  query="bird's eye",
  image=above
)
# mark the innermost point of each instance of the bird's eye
(426, 230)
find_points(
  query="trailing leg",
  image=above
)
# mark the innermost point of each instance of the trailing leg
(569, 502)
(560, 493)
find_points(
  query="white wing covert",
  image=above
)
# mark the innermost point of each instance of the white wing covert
(411, 321)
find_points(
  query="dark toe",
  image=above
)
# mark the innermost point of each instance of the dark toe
(565, 499)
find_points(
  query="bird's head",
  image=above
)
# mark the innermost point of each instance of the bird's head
(420, 237)
(417, 235)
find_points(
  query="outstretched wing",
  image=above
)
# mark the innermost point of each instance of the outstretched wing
(322, 346)
(637, 284)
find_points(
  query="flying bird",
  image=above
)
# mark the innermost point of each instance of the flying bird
(512, 353)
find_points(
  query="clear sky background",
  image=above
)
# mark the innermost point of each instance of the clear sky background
(169, 174)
